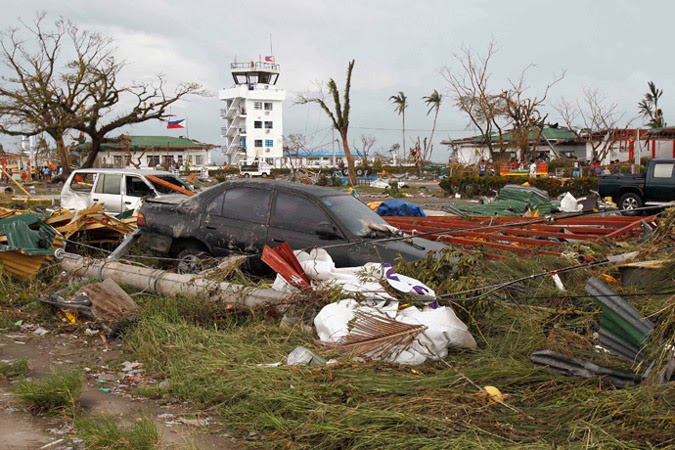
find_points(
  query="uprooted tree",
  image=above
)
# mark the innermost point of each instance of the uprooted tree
(65, 78)
(339, 118)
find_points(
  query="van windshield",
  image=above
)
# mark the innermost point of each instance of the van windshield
(171, 179)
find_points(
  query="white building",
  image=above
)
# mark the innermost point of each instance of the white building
(253, 114)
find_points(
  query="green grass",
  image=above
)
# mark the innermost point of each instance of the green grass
(378, 405)
(14, 369)
(59, 392)
(105, 433)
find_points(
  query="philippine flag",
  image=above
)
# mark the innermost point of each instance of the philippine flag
(269, 58)
(176, 124)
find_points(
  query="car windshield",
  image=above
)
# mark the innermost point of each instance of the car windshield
(353, 214)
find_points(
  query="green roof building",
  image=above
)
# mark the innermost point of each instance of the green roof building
(154, 151)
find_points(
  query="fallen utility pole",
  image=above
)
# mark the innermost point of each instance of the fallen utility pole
(161, 282)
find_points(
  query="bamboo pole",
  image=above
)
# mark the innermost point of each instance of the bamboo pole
(15, 182)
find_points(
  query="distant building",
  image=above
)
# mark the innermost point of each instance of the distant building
(253, 113)
(659, 143)
(314, 159)
(153, 151)
(472, 150)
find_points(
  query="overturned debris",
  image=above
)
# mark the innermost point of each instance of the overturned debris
(26, 244)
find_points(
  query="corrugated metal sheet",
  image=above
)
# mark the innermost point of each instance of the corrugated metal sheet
(26, 243)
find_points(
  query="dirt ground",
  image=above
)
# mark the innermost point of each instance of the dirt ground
(107, 391)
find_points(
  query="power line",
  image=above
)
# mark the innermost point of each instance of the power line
(412, 129)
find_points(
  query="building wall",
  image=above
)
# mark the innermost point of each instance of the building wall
(152, 158)
(270, 102)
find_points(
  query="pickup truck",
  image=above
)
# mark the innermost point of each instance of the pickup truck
(256, 169)
(656, 187)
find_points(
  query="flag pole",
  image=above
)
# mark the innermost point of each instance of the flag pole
(187, 128)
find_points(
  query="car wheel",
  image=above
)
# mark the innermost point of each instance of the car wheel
(191, 260)
(247, 175)
(345, 172)
(359, 172)
(264, 175)
(629, 203)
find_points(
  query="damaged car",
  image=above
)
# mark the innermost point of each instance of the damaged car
(118, 189)
(241, 217)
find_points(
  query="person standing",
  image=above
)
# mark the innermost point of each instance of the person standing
(533, 169)
(576, 167)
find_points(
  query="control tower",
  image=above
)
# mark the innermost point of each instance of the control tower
(252, 112)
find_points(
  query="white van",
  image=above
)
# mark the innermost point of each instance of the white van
(119, 189)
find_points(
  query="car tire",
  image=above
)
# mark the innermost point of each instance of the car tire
(345, 172)
(191, 260)
(359, 172)
(629, 202)
(247, 175)
(264, 175)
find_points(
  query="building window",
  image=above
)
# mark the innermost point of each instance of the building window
(258, 124)
(199, 160)
(269, 143)
(268, 106)
(258, 143)
(258, 105)
(167, 160)
(268, 125)
(153, 161)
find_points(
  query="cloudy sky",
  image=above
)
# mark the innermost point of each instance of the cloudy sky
(399, 45)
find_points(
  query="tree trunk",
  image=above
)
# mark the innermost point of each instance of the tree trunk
(350, 159)
(93, 152)
(64, 155)
(405, 157)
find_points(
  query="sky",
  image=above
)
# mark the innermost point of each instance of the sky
(616, 46)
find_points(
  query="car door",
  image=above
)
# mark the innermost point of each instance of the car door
(661, 182)
(295, 219)
(236, 220)
(135, 190)
(108, 190)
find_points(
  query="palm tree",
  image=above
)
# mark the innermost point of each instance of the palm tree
(649, 107)
(401, 103)
(340, 118)
(433, 101)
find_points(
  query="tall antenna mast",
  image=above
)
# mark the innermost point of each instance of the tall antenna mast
(271, 52)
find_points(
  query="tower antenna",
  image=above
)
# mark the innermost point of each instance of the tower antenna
(271, 52)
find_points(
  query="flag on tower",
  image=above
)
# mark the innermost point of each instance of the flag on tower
(180, 123)
(269, 58)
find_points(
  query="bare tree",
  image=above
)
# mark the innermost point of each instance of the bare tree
(593, 119)
(340, 118)
(66, 78)
(524, 113)
(468, 87)
(367, 142)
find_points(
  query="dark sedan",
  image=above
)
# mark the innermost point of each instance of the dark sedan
(244, 216)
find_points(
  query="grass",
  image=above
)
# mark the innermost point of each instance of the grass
(377, 405)
(58, 393)
(105, 433)
(14, 369)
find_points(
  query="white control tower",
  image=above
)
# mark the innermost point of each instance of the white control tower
(253, 128)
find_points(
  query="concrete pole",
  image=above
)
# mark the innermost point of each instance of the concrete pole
(161, 282)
